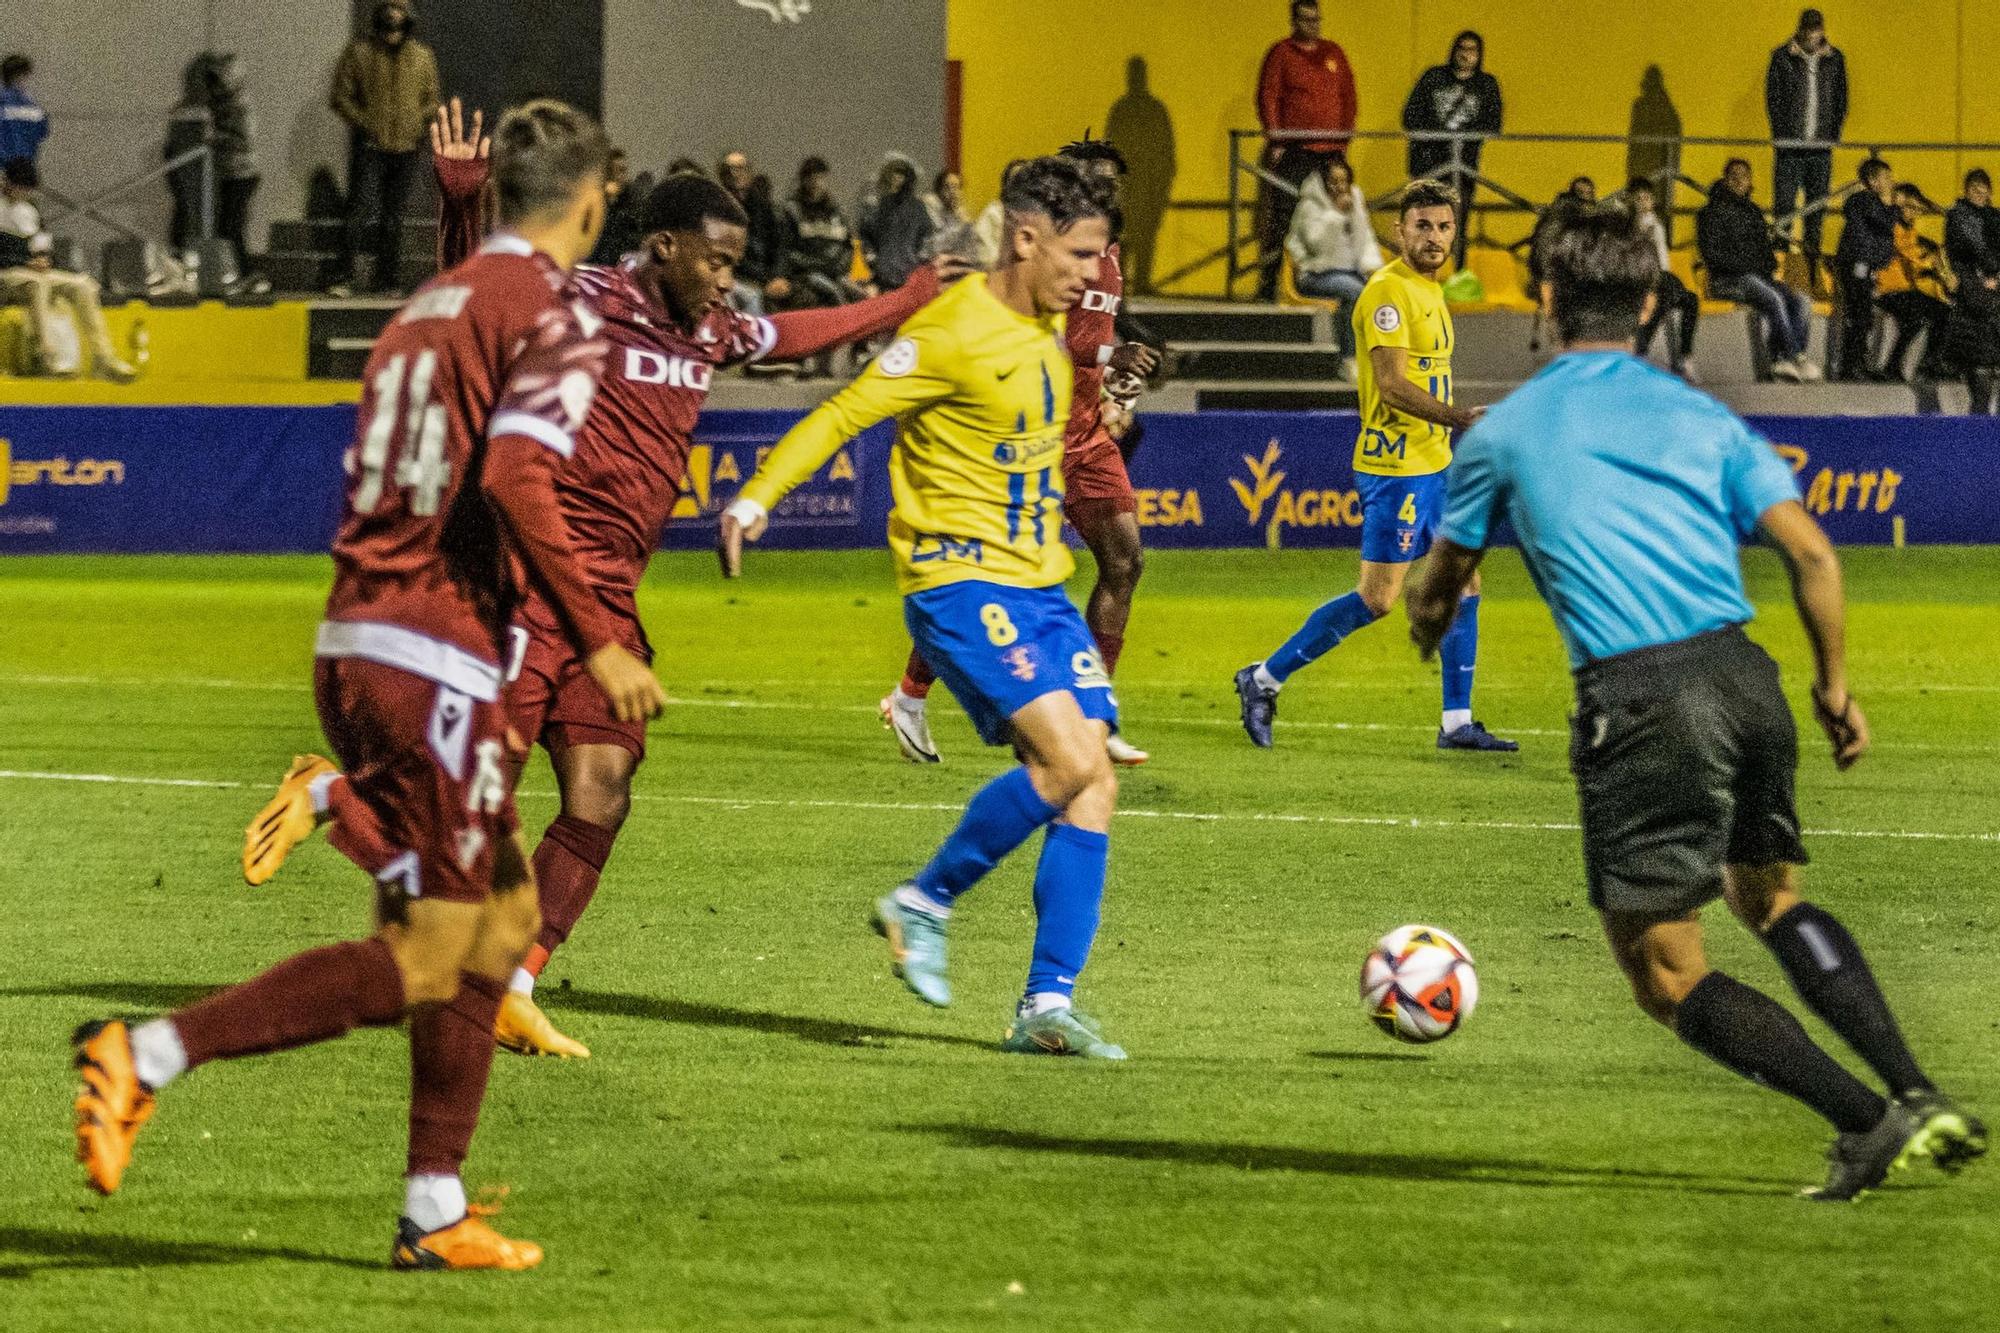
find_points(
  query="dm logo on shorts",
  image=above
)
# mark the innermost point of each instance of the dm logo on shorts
(1088, 668)
(1020, 659)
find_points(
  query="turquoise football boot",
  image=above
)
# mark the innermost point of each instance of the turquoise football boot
(1059, 1032)
(916, 943)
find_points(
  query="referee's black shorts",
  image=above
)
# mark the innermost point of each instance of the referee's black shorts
(1685, 757)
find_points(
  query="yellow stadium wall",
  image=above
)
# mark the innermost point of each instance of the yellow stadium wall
(1038, 72)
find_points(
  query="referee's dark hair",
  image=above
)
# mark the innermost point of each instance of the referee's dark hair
(1055, 188)
(686, 202)
(1602, 268)
(1427, 194)
(543, 153)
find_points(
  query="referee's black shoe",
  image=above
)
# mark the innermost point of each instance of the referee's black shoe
(1858, 1162)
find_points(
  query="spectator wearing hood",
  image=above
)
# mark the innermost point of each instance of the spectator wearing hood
(895, 227)
(213, 108)
(385, 87)
(1332, 245)
(1457, 97)
(1805, 97)
(757, 278)
(1972, 246)
(23, 123)
(1735, 242)
(817, 252)
(1867, 246)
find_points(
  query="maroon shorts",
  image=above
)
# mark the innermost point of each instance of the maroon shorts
(1094, 473)
(555, 703)
(428, 761)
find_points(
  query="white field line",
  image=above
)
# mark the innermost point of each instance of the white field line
(946, 807)
(802, 706)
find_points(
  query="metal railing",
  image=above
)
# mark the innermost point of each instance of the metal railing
(90, 207)
(1249, 178)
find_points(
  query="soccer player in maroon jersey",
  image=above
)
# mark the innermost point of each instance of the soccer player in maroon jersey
(667, 320)
(1098, 500)
(474, 396)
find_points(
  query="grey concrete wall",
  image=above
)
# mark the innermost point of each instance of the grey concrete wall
(109, 70)
(849, 80)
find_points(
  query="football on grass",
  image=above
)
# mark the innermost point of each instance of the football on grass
(1418, 984)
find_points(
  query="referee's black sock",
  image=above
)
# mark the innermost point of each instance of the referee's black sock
(1748, 1031)
(1826, 966)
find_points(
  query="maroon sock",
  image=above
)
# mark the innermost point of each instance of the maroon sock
(1110, 647)
(451, 1053)
(567, 865)
(313, 996)
(918, 676)
(356, 830)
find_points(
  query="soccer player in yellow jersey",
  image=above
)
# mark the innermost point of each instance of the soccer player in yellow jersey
(979, 384)
(1403, 329)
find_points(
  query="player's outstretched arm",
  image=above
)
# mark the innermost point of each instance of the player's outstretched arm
(459, 158)
(1818, 592)
(1391, 366)
(804, 333)
(1433, 599)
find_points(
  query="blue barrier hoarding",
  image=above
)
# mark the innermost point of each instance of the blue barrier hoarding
(268, 479)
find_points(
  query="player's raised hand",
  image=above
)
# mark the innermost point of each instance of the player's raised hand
(449, 139)
(1135, 359)
(743, 521)
(1846, 727)
(634, 691)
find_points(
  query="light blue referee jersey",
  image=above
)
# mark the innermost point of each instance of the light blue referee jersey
(1630, 493)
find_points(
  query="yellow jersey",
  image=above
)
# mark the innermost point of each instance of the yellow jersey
(980, 394)
(1401, 308)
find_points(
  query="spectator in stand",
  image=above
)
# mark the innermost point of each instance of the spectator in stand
(23, 123)
(1736, 246)
(1457, 97)
(895, 226)
(685, 166)
(1670, 294)
(817, 252)
(1911, 290)
(993, 219)
(386, 88)
(625, 212)
(757, 280)
(951, 230)
(1333, 248)
(1577, 196)
(29, 277)
(1305, 84)
(1972, 247)
(1867, 246)
(1805, 97)
(212, 87)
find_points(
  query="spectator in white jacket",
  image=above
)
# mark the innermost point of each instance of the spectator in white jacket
(1332, 244)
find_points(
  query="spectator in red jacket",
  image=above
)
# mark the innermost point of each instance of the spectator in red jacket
(1306, 84)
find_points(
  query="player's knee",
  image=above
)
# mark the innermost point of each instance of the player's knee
(603, 803)
(1379, 598)
(1759, 895)
(1123, 567)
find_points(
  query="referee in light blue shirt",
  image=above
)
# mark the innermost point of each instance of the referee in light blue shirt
(1629, 492)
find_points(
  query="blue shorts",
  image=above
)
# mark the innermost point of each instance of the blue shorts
(1001, 648)
(1399, 516)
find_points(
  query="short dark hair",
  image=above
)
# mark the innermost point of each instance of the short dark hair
(1087, 150)
(543, 152)
(15, 68)
(1870, 169)
(1734, 163)
(22, 174)
(1054, 188)
(1638, 183)
(1978, 176)
(1427, 194)
(685, 201)
(1601, 267)
(1297, 5)
(813, 166)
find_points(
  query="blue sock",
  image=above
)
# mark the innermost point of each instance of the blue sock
(1323, 629)
(1069, 888)
(1000, 817)
(1457, 653)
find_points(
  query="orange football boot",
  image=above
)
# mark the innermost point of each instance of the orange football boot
(467, 1243)
(522, 1027)
(286, 822)
(112, 1105)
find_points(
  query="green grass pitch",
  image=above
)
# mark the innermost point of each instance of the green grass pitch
(775, 1136)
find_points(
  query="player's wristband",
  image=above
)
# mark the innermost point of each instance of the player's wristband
(746, 512)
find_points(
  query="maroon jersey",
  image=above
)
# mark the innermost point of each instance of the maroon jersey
(1093, 332)
(631, 456)
(487, 369)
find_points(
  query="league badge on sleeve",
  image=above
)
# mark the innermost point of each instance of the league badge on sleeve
(898, 359)
(1388, 318)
